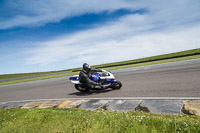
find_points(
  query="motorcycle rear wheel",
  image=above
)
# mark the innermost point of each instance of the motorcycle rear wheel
(116, 85)
(81, 88)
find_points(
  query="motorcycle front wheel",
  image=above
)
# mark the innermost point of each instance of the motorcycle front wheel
(81, 88)
(116, 85)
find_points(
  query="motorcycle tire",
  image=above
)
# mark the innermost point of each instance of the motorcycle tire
(81, 88)
(116, 85)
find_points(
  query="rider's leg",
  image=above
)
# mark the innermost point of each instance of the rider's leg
(95, 85)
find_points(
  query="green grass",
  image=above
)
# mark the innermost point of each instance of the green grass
(193, 51)
(110, 68)
(7, 76)
(82, 121)
(38, 78)
(153, 62)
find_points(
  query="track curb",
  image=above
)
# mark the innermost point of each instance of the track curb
(173, 106)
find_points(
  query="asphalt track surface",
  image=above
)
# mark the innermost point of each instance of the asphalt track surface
(178, 79)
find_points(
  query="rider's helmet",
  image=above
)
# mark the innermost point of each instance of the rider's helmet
(86, 67)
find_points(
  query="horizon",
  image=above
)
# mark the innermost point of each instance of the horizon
(101, 64)
(41, 36)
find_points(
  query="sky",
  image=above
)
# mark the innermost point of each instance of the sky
(37, 36)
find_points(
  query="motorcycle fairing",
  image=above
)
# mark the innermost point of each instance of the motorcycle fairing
(74, 79)
(95, 77)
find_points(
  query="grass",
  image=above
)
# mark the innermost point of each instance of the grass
(154, 62)
(38, 78)
(110, 68)
(54, 120)
(8, 76)
(194, 51)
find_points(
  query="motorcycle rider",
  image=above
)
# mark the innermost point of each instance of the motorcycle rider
(85, 77)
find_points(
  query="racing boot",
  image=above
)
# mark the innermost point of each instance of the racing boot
(98, 86)
(105, 86)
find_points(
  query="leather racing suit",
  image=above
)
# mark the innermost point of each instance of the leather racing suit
(85, 78)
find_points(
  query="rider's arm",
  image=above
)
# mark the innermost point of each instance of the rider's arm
(96, 70)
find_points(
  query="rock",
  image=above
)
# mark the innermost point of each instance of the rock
(161, 106)
(94, 104)
(191, 107)
(122, 105)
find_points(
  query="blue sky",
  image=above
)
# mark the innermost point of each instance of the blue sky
(50, 35)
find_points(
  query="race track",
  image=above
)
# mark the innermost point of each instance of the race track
(179, 79)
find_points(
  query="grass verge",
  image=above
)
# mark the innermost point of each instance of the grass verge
(154, 62)
(110, 68)
(53, 120)
(153, 58)
(38, 78)
(147, 59)
(19, 75)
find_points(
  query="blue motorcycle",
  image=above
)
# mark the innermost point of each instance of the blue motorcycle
(106, 78)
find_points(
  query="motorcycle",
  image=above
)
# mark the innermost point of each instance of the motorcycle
(106, 78)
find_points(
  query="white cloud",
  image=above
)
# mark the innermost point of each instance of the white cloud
(168, 26)
(37, 12)
(127, 38)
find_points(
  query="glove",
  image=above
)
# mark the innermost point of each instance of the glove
(103, 70)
